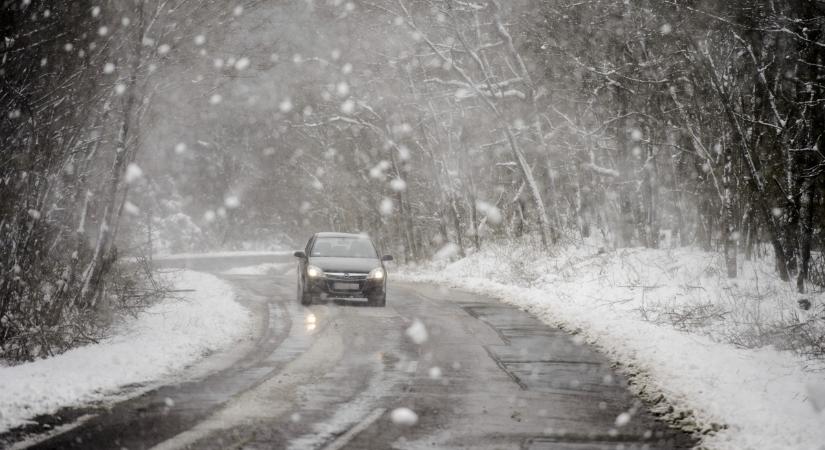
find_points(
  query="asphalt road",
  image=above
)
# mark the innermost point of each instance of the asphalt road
(330, 376)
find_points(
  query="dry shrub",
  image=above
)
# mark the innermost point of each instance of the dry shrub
(39, 332)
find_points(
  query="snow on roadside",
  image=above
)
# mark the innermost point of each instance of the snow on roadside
(619, 301)
(259, 269)
(221, 254)
(158, 343)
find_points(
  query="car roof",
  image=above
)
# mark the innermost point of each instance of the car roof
(341, 235)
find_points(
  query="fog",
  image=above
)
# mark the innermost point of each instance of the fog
(137, 130)
(592, 222)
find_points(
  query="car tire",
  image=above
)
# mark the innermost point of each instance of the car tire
(378, 301)
(304, 298)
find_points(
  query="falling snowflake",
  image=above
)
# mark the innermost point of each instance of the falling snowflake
(348, 107)
(623, 419)
(242, 64)
(403, 152)
(342, 89)
(133, 173)
(386, 207)
(131, 208)
(232, 201)
(404, 417)
(417, 332)
(398, 185)
(490, 211)
(446, 252)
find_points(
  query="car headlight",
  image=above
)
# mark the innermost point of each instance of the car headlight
(376, 274)
(313, 271)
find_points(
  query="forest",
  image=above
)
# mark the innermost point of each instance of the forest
(433, 125)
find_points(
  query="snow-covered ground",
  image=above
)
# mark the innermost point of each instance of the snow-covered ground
(671, 318)
(159, 343)
(259, 269)
(223, 254)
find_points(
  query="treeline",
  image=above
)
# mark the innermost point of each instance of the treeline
(75, 81)
(431, 124)
(699, 122)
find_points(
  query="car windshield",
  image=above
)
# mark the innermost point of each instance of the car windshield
(343, 247)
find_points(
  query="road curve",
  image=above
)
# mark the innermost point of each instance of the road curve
(331, 376)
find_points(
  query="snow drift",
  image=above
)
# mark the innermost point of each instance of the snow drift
(159, 343)
(671, 319)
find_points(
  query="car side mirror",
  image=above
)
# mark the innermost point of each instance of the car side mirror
(386, 258)
(300, 254)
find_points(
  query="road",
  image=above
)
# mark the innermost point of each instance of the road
(330, 376)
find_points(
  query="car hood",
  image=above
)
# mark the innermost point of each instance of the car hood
(329, 264)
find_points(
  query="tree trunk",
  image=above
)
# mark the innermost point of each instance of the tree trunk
(728, 221)
(445, 186)
(97, 267)
(545, 230)
(806, 215)
(624, 153)
(651, 201)
(582, 223)
(753, 165)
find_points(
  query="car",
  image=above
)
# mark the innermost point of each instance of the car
(342, 266)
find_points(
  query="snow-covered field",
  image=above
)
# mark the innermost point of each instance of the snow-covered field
(159, 343)
(672, 319)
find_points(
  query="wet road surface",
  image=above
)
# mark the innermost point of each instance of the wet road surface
(330, 376)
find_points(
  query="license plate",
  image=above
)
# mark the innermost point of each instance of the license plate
(346, 286)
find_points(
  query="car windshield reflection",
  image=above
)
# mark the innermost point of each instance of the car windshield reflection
(343, 247)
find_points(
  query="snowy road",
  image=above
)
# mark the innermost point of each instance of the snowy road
(480, 374)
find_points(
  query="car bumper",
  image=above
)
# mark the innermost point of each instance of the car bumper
(326, 288)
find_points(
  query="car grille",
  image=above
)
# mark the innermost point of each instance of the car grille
(359, 279)
(346, 277)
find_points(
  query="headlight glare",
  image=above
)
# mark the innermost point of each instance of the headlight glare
(313, 271)
(376, 274)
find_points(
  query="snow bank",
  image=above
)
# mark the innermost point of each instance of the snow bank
(259, 269)
(640, 306)
(221, 254)
(159, 343)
